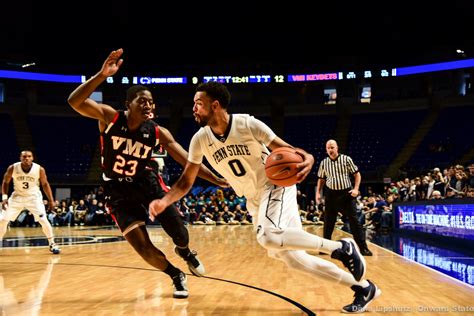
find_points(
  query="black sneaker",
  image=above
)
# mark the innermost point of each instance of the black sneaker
(350, 256)
(363, 297)
(194, 264)
(180, 288)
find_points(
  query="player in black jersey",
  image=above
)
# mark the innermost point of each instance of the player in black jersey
(127, 142)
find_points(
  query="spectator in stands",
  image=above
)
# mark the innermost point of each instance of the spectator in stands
(450, 180)
(471, 176)
(128, 139)
(80, 213)
(334, 176)
(403, 188)
(243, 216)
(22, 220)
(412, 191)
(420, 189)
(229, 217)
(436, 195)
(100, 214)
(373, 211)
(67, 217)
(470, 193)
(236, 146)
(53, 216)
(439, 181)
(90, 218)
(460, 183)
(206, 217)
(430, 186)
(386, 219)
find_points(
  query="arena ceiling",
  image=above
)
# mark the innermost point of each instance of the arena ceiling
(77, 36)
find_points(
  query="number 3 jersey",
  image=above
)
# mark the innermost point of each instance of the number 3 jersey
(26, 183)
(239, 155)
(124, 153)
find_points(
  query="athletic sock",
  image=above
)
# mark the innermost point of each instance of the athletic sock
(171, 270)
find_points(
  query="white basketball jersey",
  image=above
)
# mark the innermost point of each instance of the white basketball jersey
(239, 156)
(26, 184)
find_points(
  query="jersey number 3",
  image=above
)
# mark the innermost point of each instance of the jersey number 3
(121, 163)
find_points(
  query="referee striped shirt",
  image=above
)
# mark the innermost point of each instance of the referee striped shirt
(336, 172)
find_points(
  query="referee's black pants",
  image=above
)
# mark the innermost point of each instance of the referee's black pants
(342, 201)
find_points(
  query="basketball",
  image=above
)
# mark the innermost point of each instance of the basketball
(280, 166)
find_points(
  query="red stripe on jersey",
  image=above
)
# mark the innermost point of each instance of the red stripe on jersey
(101, 139)
(115, 118)
(108, 209)
(162, 183)
(157, 132)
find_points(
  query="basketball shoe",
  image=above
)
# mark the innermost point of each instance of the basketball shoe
(363, 297)
(351, 257)
(180, 287)
(194, 264)
(54, 249)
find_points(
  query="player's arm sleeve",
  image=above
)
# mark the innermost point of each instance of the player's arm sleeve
(195, 151)
(261, 131)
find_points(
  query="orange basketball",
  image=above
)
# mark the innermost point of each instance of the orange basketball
(280, 166)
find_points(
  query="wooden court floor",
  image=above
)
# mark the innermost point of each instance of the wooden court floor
(109, 278)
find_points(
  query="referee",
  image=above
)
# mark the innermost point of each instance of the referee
(334, 173)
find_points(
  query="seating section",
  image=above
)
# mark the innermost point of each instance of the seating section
(447, 141)
(310, 133)
(376, 138)
(11, 152)
(64, 145)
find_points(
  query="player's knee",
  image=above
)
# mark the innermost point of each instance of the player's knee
(269, 237)
(180, 236)
(43, 220)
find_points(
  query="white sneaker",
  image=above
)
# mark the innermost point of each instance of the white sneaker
(180, 287)
(194, 264)
(54, 249)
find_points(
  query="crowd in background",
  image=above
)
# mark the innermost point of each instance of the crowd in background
(217, 206)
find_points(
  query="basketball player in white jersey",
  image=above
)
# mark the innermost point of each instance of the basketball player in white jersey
(27, 177)
(236, 146)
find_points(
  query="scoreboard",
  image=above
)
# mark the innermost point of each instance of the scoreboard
(253, 78)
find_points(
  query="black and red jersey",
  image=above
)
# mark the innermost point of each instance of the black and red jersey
(124, 153)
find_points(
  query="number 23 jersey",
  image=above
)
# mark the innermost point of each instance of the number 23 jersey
(126, 153)
(239, 155)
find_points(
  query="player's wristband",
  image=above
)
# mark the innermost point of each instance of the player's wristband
(4, 197)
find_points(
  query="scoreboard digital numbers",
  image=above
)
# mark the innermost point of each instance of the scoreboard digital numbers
(243, 79)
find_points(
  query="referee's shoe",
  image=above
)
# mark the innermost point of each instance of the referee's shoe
(351, 257)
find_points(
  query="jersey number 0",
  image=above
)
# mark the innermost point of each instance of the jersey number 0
(237, 167)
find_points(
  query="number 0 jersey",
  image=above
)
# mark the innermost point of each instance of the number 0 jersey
(239, 155)
(126, 154)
